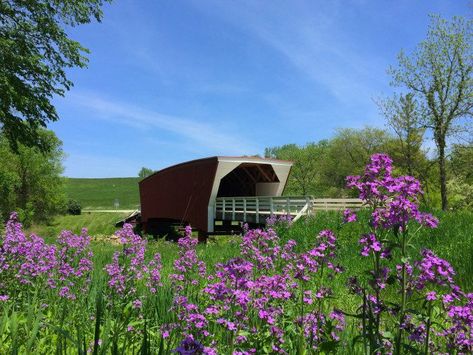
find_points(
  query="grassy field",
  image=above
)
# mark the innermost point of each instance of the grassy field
(102, 193)
(97, 223)
(452, 240)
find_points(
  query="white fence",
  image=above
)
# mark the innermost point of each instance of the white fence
(257, 209)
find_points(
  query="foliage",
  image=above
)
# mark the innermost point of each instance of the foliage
(320, 168)
(461, 161)
(269, 294)
(74, 207)
(144, 172)
(460, 192)
(35, 51)
(439, 73)
(101, 193)
(403, 116)
(305, 173)
(31, 180)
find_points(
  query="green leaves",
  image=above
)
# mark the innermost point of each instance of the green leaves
(30, 181)
(35, 52)
(439, 75)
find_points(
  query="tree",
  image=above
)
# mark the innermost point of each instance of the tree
(349, 151)
(403, 117)
(35, 52)
(305, 173)
(144, 172)
(461, 161)
(439, 74)
(30, 180)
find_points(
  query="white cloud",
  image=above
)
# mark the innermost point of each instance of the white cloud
(204, 136)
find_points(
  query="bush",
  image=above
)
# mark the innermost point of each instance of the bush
(461, 194)
(74, 208)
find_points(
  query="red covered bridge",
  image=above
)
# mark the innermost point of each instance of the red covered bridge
(219, 194)
(215, 193)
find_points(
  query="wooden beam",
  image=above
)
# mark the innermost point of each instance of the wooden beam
(249, 174)
(264, 173)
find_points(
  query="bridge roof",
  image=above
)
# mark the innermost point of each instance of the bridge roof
(239, 159)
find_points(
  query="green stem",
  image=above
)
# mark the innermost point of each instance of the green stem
(403, 291)
(301, 339)
(429, 323)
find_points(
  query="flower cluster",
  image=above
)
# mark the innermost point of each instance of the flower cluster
(394, 199)
(279, 220)
(394, 203)
(261, 247)
(128, 268)
(24, 259)
(262, 283)
(187, 266)
(74, 264)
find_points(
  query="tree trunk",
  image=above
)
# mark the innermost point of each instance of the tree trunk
(443, 174)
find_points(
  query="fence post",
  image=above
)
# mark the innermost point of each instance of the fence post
(223, 209)
(233, 209)
(244, 209)
(257, 210)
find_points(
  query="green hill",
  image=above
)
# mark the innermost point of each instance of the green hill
(102, 193)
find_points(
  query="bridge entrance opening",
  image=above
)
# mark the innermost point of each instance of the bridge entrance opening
(249, 180)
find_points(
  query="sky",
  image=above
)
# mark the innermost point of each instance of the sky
(170, 81)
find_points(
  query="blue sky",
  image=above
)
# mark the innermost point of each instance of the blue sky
(170, 81)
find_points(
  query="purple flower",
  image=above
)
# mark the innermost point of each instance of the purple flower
(349, 216)
(24, 260)
(189, 346)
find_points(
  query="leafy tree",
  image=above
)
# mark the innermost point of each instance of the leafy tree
(305, 173)
(30, 180)
(320, 169)
(144, 172)
(35, 52)
(439, 74)
(349, 151)
(403, 117)
(461, 161)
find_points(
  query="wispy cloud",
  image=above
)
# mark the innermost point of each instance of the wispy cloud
(307, 34)
(202, 135)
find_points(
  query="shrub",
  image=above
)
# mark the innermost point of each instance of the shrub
(74, 208)
(461, 193)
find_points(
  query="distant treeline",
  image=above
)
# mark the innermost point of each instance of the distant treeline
(320, 168)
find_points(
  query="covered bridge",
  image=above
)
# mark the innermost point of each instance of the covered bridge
(215, 193)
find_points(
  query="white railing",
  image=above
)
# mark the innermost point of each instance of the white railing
(333, 204)
(257, 209)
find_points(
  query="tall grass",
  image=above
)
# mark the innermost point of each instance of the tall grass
(43, 323)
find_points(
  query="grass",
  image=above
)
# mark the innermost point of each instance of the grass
(102, 193)
(97, 223)
(452, 240)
